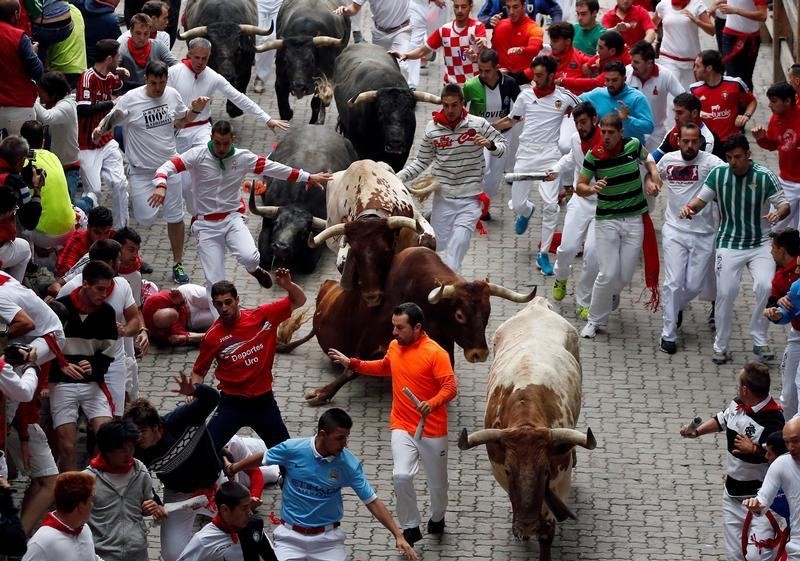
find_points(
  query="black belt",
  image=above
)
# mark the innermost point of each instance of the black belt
(392, 29)
(311, 531)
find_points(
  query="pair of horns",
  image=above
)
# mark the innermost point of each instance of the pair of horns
(202, 31)
(449, 291)
(319, 41)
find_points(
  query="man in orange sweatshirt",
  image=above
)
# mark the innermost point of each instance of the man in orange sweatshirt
(517, 40)
(416, 362)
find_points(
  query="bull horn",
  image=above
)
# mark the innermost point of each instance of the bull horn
(273, 45)
(266, 211)
(255, 30)
(574, 437)
(193, 33)
(325, 41)
(363, 97)
(397, 222)
(445, 291)
(508, 294)
(427, 97)
(485, 436)
(329, 232)
(318, 223)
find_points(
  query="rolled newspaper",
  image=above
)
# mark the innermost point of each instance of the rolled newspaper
(415, 400)
(189, 504)
(532, 176)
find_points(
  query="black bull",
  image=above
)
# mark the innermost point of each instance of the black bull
(294, 212)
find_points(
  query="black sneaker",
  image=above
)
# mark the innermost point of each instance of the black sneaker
(263, 277)
(412, 535)
(486, 217)
(669, 347)
(436, 527)
(680, 319)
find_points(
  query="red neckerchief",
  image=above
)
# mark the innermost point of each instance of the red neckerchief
(100, 463)
(438, 117)
(540, 93)
(188, 64)
(133, 268)
(595, 141)
(601, 153)
(52, 522)
(219, 523)
(680, 4)
(140, 55)
(771, 405)
(77, 301)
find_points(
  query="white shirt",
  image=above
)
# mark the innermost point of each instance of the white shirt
(681, 36)
(62, 119)
(784, 473)
(743, 24)
(49, 544)
(575, 155)
(161, 37)
(657, 89)
(387, 13)
(242, 446)
(542, 116)
(149, 126)
(15, 297)
(211, 544)
(17, 389)
(683, 181)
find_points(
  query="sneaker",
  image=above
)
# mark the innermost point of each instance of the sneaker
(669, 347)
(258, 86)
(589, 330)
(711, 322)
(357, 37)
(436, 527)
(614, 302)
(487, 217)
(92, 197)
(263, 277)
(179, 274)
(559, 289)
(582, 312)
(412, 535)
(543, 262)
(521, 223)
(721, 357)
(763, 353)
(680, 319)
(145, 268)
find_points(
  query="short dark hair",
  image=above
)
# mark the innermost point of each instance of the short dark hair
(73, 488)
(33, 132)
(127, 234)
(613, 40)
(105, 48)
(414, 313)
(157, 69)
(55, 84)
(223, 287)
(231, 493)
(788, 239)
(688, 101)
(114, 434)
(782, 90)
(777, 443)
(755, 377)
(489, 55)
(452, 90)
(95, 271)
(712, 58)
(143, 414)
(333, 419)
(141, 19)
(736, 140)
(611, 120)
(105, 250)
(7, 11)
(100, 216)
(561, 30)
(691, 127)
(593, 5)
(644, 50)
(153, 8)
(614, 66)
(550, 64)
(794, 70)
(222, 127)
(584, 108)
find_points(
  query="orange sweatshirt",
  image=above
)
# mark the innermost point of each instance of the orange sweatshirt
(423, 367)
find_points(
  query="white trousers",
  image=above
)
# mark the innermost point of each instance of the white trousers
(141, 183)
(729, 264)
(687, 257)
(407, 452)
(267, 15)
(578, 229)
(535, 159)
(176, 529)
(683, 70)
(453, 221)
(495, 166)
(105, 164)
(619, 245)
(654, 140)
(417, 13)
(14, 257)
(733, 514)
(293, 546)
(791, 191)
(790, 374)
(12, 118)
(395, 41)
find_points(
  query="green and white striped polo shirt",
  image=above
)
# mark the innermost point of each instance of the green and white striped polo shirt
(622, 196)
(743, 202)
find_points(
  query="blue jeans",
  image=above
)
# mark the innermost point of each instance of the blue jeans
(73, 179)
(47, 35)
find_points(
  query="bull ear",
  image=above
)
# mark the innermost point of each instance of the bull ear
(560, 510)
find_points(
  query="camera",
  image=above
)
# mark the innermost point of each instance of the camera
(29, 169)
(16, 353)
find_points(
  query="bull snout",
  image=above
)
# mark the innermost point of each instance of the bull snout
(476, 355)
(373, 298)
(393, 148)
(299, 89)
(281, 249)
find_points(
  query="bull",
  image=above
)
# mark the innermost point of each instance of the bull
(456, 312)
(309, 38)
(293, 213)
(375, 104)
(534, 399)
(231, 27)
(377, 218)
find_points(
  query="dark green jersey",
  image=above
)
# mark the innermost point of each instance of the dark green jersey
(622, 196)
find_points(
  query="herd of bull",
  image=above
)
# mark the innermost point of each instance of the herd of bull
(386, 248)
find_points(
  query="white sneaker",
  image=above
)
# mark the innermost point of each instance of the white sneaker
(589, 331)
(92, 196)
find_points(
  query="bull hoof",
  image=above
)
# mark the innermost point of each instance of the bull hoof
(258, 86)
(316, 398)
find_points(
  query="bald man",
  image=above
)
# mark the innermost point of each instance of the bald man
(784, 473)
(179, 316)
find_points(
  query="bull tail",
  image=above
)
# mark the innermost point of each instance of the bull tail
(285, 348)
(289, 327)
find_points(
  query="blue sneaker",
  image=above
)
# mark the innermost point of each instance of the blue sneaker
(179, 274)
(543, 261)
(521, 223)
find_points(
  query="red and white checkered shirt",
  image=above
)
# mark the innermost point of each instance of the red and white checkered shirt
(454, 43)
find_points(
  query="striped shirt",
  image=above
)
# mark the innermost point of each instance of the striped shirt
(743, 202)
(622, 196)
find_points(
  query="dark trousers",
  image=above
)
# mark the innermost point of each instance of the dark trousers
(260, 413)
(743, 62)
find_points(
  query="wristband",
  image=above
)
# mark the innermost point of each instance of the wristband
(193, 111)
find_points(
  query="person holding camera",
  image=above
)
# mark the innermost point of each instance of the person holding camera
(17, 387)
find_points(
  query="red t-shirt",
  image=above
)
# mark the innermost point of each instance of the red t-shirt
(721, 104)
(783, 135)
(637, 16)
(91, 89)
(245, 353)
(160, 301)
